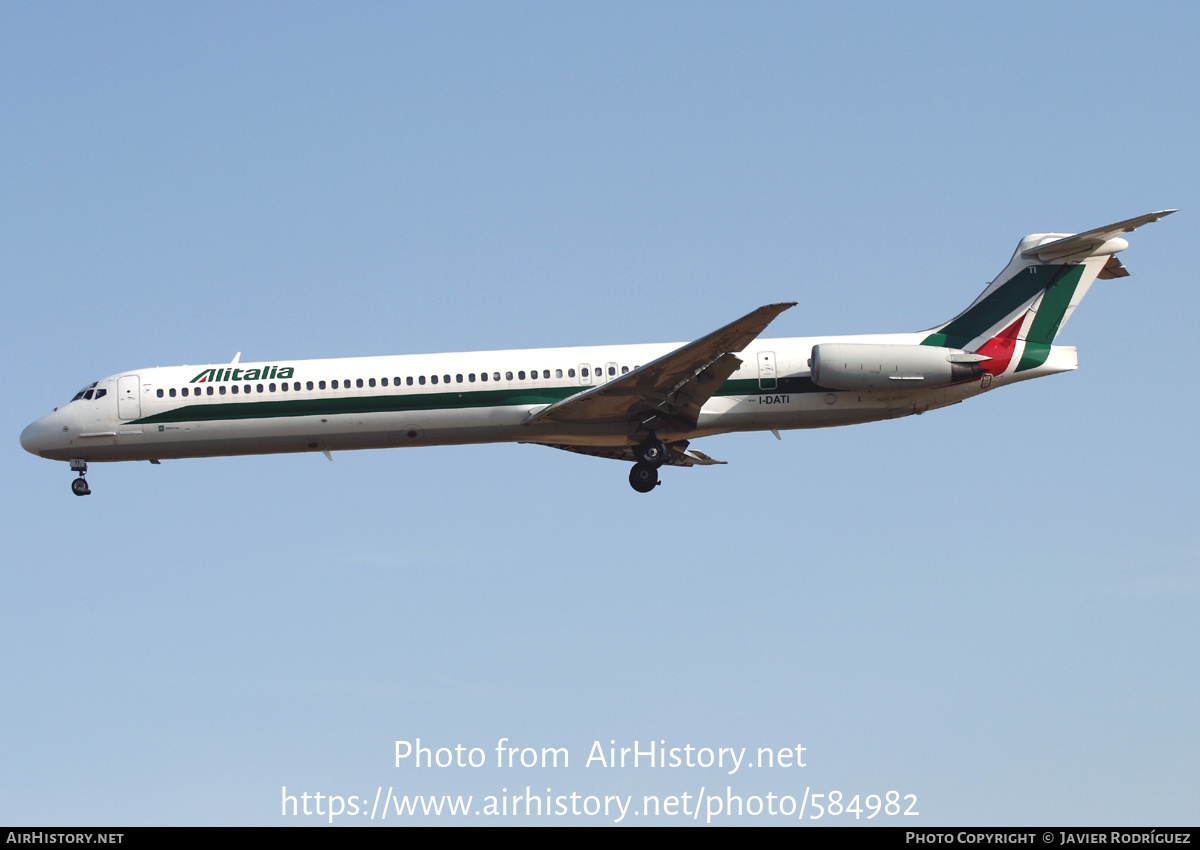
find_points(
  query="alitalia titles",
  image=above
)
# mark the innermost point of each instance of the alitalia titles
(264, 373)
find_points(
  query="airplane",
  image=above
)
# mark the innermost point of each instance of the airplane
(639, 403)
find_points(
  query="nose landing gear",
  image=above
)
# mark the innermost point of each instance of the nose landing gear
(80, 486)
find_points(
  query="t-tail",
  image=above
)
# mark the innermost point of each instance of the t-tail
(1015, 319)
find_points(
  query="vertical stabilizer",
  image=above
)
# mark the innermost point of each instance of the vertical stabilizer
(1024, 308)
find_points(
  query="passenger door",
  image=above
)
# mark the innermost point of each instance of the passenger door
(129, 397)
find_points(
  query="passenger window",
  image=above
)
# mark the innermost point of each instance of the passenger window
(546, 373)
(283, 386)
(160, 394)
(222, 388)
(421, 380)
(612, 370)
(433, 379)
(358, 383)
(570, 373)
(296, 386)
(496, 376)
(558, 373)
(446, 378)
(234, 389)
(271, 387)
(320, 385)
(508, 376)
(408, 380)
(583, 371)
(308, 385)
(370, 382)
(184, 392)
(259, 388)
(458, 379)
(171, 392)
(210, 390)
(521, 375)
(624, 370)
(471, 378)
(335, 385)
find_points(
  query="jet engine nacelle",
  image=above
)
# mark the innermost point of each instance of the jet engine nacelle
(852, 366)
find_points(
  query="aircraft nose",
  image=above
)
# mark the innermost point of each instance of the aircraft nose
(36, 437)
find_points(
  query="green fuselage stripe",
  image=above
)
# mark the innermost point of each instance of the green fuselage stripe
(336, 405)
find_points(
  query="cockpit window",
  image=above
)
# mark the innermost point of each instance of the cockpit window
(87, 389)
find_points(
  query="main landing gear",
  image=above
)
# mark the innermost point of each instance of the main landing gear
(653, 452)
(643, 477)
(650, 456)
(80, 486)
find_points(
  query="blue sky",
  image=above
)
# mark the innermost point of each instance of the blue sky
(991, 606)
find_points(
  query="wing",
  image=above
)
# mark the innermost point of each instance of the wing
(677, 453)
(674, 387)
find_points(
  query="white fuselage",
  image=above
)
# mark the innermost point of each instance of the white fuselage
(444, 399)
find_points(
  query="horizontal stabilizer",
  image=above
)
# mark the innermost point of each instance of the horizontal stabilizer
(1087, 244)
(1113, 268)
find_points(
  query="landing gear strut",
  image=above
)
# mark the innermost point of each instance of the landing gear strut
(643, 477)
(80, 486)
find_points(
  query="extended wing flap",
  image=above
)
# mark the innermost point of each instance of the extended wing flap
(677, 453)
(689, 396)
(675, 385)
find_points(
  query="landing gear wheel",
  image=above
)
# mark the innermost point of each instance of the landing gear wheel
(643, 477)
(653, 452)
(80, 488)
